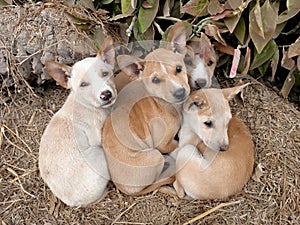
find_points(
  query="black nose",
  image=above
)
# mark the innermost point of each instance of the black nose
(106, 95)
(179, 93)
(200, 83)
(223, 148)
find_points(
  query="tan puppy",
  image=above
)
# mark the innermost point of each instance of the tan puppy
(71, 158)
(203, 172)
(201, 60)
(144, 122)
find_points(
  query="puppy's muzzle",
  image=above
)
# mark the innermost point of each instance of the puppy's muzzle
(106, 95)
(200, 83)
(224, 148)
(107, 98)
(180, 94)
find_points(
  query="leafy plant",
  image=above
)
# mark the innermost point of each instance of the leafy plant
(256, 37)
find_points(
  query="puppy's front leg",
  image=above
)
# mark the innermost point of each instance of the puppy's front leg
(168, 147)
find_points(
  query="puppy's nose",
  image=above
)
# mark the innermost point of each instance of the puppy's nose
(200, 83)
(106, 95)
(223, 148)
(179, 93)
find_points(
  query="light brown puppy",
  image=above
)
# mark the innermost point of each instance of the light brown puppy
(201, 60)
(144, 122)
(71, 158)
(212, 162)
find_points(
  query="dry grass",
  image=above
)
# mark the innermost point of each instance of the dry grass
(270, 197)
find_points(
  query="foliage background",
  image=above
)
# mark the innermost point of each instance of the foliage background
(259, 38)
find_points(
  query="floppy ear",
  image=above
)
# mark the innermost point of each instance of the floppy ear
(229, 93)
(194, 103)
(130, 65)
(107, 51)
(177, 38)
(59, 72)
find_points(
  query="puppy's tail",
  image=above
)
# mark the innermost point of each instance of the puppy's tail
(155, 186)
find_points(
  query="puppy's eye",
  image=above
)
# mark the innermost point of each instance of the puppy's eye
(188, 62)
(178, 69)
(208, 123)
(104, 74)
(209, 63)
(156, 80)
(83, 84)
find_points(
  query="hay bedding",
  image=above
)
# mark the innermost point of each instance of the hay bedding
(270, 197)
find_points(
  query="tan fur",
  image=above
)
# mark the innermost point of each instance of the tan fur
(204, 173)
(139, 130)
(201, 60)
(71, 158)
(122, 80)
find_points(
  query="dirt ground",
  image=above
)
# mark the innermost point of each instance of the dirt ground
(270, 197)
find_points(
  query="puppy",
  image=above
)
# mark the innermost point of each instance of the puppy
(71, 158)
(212, 162)
(144, 122)
(201, 60)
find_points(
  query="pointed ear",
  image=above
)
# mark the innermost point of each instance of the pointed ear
(177, 38)
(229, 93)
(194, 103)
(107, 51)
(59, 72)
(130, 65)
(190, 54)
(205, 47)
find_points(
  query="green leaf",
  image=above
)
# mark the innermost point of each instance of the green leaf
(268, 16)
(232, 21)
(274, 63)
(266, 54)
(145, 39)
(263, 68)
(279, 29)
(105, 2)
(294, 49)
(146, 16)
(240, 31)
(293, 8)
(127, 6)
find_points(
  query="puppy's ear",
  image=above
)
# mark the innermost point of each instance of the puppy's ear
(130, 65)
(229, 93)
(189, 56)
(59, 72)
(205, 47)
(107, 51)
(194, 103)
(177, 38)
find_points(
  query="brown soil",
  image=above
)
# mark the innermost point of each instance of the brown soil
(270, 197)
